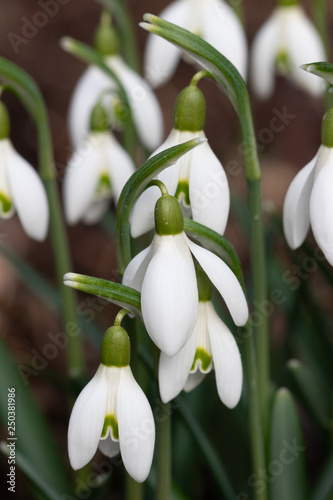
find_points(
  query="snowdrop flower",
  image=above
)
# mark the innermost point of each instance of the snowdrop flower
(164, 273)
(113, 413)
(211, 344)
(197, 180)
(146, 112)
(21, 189)
(96, 171)
(309, 199)
(213, 20)
(284, 42)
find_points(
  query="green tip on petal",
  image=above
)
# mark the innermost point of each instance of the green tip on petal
(116, 348)
(327, 129)
(204, 285)
(110, 421)
(203, 358)
(168, 216)
(190, 110)
(4, 122)
(287, 3)
(106, 40)
(98, 119)
(6, 205)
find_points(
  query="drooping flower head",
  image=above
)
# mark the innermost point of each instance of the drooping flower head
(213, 20)
(112, 413)
(284, 42)
(164, 273)
(97, 170)
(94, 83)
(211, 345)
(309, 199)
(197, 179)
(21, 189)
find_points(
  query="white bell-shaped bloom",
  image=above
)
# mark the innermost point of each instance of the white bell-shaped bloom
(211, 345)
(309, 201)
(97, 170)
(22, 190)
(213, 20)
(113, 413)
(284, 42)
(146, 112)
(197, 180)
(164, 273)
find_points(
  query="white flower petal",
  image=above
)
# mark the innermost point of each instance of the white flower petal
(86, 421)
(304, 45)
(220, 25)
(142, 217)
(321, 210)
(136, 269)
(95, 211)
(226, 359)
(209, 189)
(173, 372)
(108, 447)
(28, 195)
(161, 57)
(146, 111)
(194, 379)
(264, 52)
(85, 96)
(136, 427)
(296, 211)
(118, 163)
(81, 178)
(169, 297)
(224, 280)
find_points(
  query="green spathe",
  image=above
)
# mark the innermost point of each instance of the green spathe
(168, 216)
(4, 122)
(327, 129)
(115, 349)
(190, 110)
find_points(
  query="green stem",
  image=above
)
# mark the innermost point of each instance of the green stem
(320, 18)
(134, 490)
(259, 296)
(164, 454)
(257, 436)
(27, 91)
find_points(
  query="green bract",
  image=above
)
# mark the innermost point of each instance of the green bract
(190, 110)
(4, 121)
(168, 216)
(115, 349)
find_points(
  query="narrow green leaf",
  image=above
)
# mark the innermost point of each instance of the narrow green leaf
(216, 243)
(224, 72)
(208, 451)
(286, 468)
(322, 69)
(313, 392)
(118, 294)
(34, 439)
(135, 186)
(324, 487)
